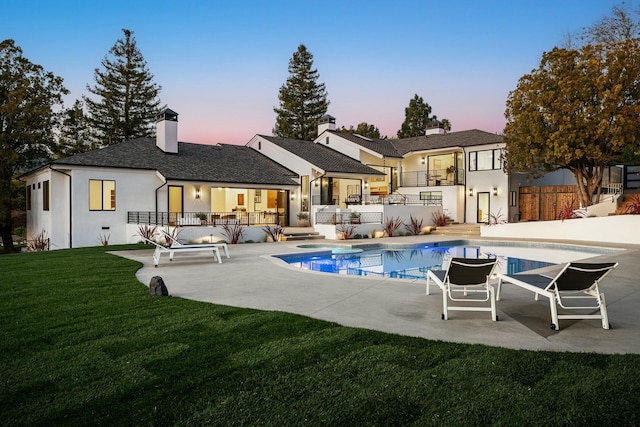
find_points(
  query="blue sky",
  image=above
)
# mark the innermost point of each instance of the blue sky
(221, 63)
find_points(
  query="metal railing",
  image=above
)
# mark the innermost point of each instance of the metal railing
(432, 178)
(202, 218)
(348, 217)
(390, 199)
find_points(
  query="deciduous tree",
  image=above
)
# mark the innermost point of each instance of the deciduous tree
(417, 116)
(576, 111)
(302, 99)
(126, 98)
(29, 96)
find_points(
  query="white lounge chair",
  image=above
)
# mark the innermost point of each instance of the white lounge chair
(576, 281)
(178, 249)
(176, 243)
(465, 276)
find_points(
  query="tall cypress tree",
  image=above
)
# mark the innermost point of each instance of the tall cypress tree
(302, 99)
(416, 118)
(126, 99)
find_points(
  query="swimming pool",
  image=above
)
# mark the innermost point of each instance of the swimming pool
(413, 261)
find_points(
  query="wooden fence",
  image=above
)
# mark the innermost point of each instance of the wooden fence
(546, 203)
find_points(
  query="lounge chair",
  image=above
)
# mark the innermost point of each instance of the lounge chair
(176, 243)
(576, 281)
(465, 276)
(178, 249)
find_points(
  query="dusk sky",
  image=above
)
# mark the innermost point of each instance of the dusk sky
(221, 63)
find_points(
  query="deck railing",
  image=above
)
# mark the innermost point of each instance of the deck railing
(202, 218)
(348, 217)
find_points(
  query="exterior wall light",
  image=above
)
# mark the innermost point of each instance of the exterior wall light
(495, 191)
(471, 192)
(422, 160)
(197, 192)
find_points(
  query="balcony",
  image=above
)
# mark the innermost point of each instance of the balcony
(433, 178)
(202, 218)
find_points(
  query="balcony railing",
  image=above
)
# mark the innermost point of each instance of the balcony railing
(390, 199)
(432, 178)
(202, 218)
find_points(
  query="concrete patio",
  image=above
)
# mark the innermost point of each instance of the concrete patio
(252, 278)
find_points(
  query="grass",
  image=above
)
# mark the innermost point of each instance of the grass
(83, 343)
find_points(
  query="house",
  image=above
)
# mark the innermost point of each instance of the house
(462, 171)
(338, 178)
(111, 192)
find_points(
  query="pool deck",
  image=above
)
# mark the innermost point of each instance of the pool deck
(252, 278)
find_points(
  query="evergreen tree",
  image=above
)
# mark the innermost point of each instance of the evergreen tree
(126, 99)
(75, 135)
(364, 129)
(302, 99)
(29, 95)
(446, 124)
(416, 118)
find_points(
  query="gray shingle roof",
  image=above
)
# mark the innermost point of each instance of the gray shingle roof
(400, 147)
(194, 162)
(323, 157)
(465, 138)
(380, 146)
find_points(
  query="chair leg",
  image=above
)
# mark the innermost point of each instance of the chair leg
(445, 305)
(428, 283)
(492, 297)
(603, 312)
(555, 323)
(499, 289)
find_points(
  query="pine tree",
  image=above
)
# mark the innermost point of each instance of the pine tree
(126, 98)
(416, 118)
(75, 136)
(364, 129)
(302, 99)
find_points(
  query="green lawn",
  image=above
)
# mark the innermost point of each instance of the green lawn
(83, 343)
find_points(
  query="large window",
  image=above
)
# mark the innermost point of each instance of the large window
(484, 160)
(45, 196)
(102, 195)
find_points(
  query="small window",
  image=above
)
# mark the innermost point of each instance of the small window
(28, 197)
(45, 195)
(102, 195)
(513, 198)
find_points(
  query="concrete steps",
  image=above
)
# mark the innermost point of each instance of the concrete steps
(301, 233)
(458, 230)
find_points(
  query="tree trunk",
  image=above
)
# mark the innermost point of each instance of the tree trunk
(6, 223)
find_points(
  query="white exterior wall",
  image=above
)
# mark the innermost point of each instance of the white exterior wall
(340, 145)
(611, 229)
(39, 220)
(292, 162)
(485, 181)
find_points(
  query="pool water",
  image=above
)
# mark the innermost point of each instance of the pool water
(413, 262)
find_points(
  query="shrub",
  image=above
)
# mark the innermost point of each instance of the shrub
(414, 227)
(346, 231)
(633, 204)
(568, 211)
(439, 219)
(103, 239)
(39, 243)
(233, 232)
(147, 232)
(391, 225)
(496, 218)
(275, 232)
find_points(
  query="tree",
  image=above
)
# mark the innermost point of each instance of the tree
(28, 95)
(75, 135)
(446, 125)
(364, 129)
(416, 118)
(577, 111)
(302, 99)
(126, 98)
(618, 27)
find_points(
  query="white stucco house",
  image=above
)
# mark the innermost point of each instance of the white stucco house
(112, 191)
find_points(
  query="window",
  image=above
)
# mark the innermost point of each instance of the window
(431, 198)
(513, 198)
(45, 195)
(484, 160)
(29, 197)
(102, 195)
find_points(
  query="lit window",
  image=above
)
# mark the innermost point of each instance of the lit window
(102, 195)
